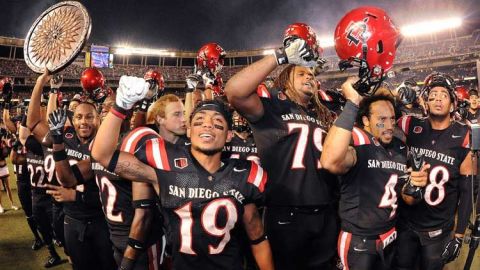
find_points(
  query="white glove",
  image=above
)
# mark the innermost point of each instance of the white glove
(192, 81)
(130, 91)
(208, 79)
(295, 53)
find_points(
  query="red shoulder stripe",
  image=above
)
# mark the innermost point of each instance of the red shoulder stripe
(129, 143)
(325, 96)
(157, 154)
(262, 91)
(359, 137)
(466, 141)
(257, 176)
(404, 123)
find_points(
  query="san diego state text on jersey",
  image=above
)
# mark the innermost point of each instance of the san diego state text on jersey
(202, 211)
(289, 140)
(370, 189)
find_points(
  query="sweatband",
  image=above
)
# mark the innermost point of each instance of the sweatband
(144, 204)
(118, 112)
(113, 162)
(346, 120)
(135, 244)
(59, 155)
(259, 240)
(78, 175)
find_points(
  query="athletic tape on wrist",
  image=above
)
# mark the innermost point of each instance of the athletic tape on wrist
(113, 162)
(346, 120)
(59, 155)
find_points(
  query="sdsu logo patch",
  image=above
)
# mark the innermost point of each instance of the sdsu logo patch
(68, 135)
(180, 163)
(417, 129)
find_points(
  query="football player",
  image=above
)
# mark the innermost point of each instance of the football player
(370, 162)
(288, 129)
(84, 223)
(427, 218)
(202, 198)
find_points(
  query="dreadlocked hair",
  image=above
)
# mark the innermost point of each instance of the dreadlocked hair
(284, 82)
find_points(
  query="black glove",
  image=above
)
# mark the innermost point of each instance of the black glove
(56, 122)
(406, 92)
(7, 95)
(416, 161)
(452, 250)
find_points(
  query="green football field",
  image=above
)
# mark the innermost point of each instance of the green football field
(16, 240)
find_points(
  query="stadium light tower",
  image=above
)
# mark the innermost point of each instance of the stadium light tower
(430, 27)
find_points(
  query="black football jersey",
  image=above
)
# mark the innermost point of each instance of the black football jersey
(202, 211)
(21, 169)
(289, 141)
(90, 206)
(35, 168)
(49, 166)
(239, 148)
(370, 189)
(473, 118)
(116, 193)
(444, 150)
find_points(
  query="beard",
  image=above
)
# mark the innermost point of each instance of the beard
(208, 152)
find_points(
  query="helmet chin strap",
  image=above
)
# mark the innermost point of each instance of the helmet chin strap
(367, 85)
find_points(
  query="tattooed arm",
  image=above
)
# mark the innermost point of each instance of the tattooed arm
(260, 245)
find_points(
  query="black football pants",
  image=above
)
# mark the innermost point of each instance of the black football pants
(412, 246)
(42, 213)
(302, 238)
(88, 244)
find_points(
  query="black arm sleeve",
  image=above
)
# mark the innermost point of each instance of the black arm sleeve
(464, 204)
(33, 146)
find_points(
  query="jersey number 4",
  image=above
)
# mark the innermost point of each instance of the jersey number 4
(209, 224)
(389, 198)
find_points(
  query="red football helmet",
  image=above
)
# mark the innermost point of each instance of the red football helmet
(155, 76)
(211, 57)
(60, 99)
(305, 32)
(6, 84)
(217, 86)
(92, 80)
(367, 36)
(462, 93)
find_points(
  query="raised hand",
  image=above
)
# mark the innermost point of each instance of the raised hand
(130, 91)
